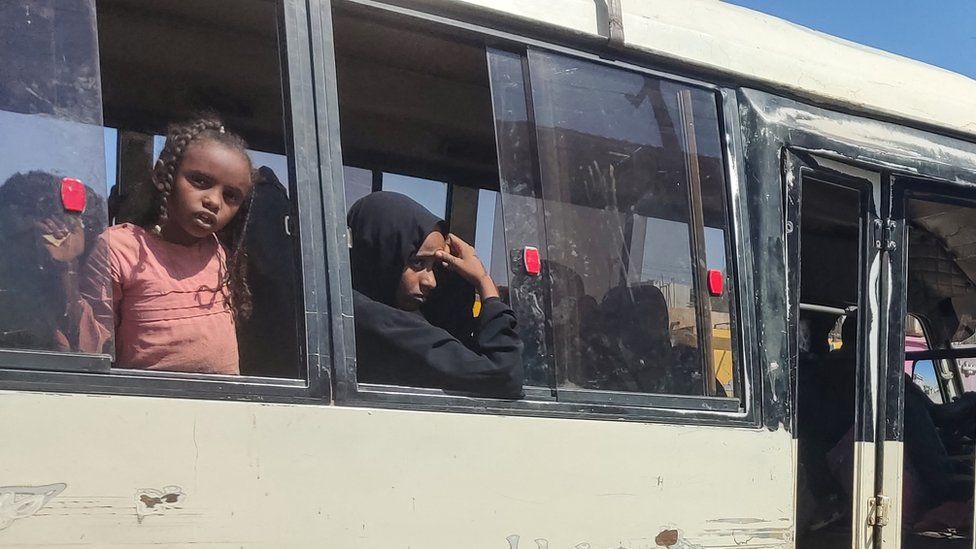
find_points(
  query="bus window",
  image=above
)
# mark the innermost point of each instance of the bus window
(636, 230)
(197, 69)
(924, 375)
(415, 112)
(490, 236)
(358, 183)
(88, 91)
(615, 261)
(429, 194)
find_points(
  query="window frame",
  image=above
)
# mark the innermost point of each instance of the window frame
(946, 385)
(542, 401)
(27, 370)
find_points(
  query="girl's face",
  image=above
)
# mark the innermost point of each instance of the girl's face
(209, 187)
(418, 279)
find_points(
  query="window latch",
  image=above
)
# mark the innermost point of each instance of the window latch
(879, 508)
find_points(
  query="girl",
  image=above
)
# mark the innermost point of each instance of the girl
(177, 276)
(415, 327)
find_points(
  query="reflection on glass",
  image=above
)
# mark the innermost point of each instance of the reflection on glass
(621, 204)
(51, 115)
(520, 217)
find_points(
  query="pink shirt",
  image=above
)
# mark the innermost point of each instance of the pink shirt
(167, 305)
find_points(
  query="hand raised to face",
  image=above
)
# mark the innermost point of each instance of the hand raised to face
(461, 258)
(63, 238)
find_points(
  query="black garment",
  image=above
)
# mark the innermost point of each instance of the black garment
(440, 346)
(402, 348)
(268, 340)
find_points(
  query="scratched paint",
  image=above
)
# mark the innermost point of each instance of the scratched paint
(20, 502)
(742, 532)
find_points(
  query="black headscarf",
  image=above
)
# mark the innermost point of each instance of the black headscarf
(387, 228)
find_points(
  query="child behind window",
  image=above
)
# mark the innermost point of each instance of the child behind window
(178, 284)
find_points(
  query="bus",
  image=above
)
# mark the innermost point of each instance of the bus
(719, 189)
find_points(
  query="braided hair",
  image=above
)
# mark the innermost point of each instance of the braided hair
(179, 137)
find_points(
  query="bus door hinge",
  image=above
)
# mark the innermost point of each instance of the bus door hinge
(878, 509)
(882, 235)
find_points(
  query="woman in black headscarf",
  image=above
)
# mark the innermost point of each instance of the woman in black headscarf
(415, 327)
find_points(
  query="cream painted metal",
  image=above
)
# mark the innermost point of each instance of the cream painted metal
(730, 39)
(894, 461)
(257, 475)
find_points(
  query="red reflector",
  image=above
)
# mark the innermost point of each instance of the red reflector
(533, 264)
(72, 195)
(716, 282)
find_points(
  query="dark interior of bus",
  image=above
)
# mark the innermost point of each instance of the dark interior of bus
(938, 432)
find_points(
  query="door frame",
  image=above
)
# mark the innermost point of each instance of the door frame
(771, 125)
(871, 296)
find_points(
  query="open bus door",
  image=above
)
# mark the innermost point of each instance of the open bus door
(837, 278)
(879, 249)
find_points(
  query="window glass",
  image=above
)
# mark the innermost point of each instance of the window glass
(922, 372)
(85, 89)
(634, 200)
(415, 110)
(520, 194)
(429, 194)
(490, 236)
(358, 183)
(196, 70)
(914, 340)
(53, 184)
(925, 377)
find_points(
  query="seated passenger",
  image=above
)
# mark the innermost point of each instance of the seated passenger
(631, 347)
(415, 327)
(43, 246)
(939, 477)
(177, 286)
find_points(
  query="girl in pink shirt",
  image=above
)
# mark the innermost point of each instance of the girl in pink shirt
(178, 283)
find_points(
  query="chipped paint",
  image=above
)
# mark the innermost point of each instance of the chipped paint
(730, 532)
(150, 501)
(19, 502)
